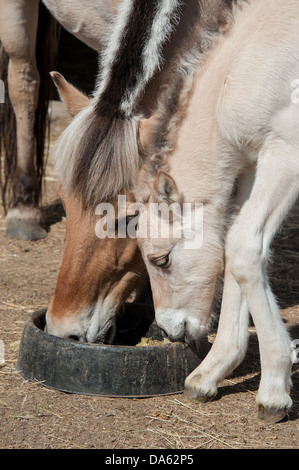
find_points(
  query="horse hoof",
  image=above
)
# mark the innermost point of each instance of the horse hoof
(23, 231)
(28, 229)
(271, 415)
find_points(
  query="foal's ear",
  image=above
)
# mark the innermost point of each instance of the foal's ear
(165, 189)
(146, 132)
(73, 99)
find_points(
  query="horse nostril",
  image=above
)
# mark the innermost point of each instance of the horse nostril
(74, 338)
(110, 335)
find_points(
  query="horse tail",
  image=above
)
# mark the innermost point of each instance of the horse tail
(8, 141)
(46, 44)
(46, 54)
(98, 155)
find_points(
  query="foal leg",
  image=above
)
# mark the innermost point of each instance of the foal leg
(274, 192)
(18, 29)
(230, 345)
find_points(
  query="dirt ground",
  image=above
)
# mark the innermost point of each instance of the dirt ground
(33, 416)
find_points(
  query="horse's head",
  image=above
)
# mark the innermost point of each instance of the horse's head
(97, 272)
(183, 257)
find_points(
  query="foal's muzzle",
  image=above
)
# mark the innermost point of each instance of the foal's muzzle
(179, 325)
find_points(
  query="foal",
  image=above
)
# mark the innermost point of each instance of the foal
(239, 124)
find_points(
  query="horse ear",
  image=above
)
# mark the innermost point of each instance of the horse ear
(165, 189)
(73, 99)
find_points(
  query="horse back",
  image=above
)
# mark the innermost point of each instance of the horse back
(261, 54)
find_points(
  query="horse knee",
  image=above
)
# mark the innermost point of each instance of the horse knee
(244, 261)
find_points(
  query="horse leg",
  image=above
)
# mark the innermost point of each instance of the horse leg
(18, 29)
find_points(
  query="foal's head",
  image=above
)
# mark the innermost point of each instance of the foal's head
(183, 256)
(97, 274)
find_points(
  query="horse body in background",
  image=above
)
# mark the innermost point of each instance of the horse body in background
(91, 316)
(29, 36)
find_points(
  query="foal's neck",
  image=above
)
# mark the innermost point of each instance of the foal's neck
(203, 165)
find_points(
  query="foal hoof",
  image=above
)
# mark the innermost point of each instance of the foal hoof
(22, 225)
(195, 393)
(271, 415)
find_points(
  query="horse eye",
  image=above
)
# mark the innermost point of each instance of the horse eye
(129, 218)
(162, 261)
(123, 221)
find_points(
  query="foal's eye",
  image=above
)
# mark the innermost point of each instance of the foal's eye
(163, 262)
(160, 261)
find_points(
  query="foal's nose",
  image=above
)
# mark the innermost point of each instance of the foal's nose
(164, 334)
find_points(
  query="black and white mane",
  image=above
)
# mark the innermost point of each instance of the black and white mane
(98, 155)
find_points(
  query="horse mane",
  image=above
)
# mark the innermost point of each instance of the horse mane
(98, 155)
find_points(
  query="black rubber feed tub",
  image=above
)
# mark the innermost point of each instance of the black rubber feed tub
(116, 370)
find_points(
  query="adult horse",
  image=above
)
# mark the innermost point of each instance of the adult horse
(28, 42)
(225, 140)
(97, 274)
